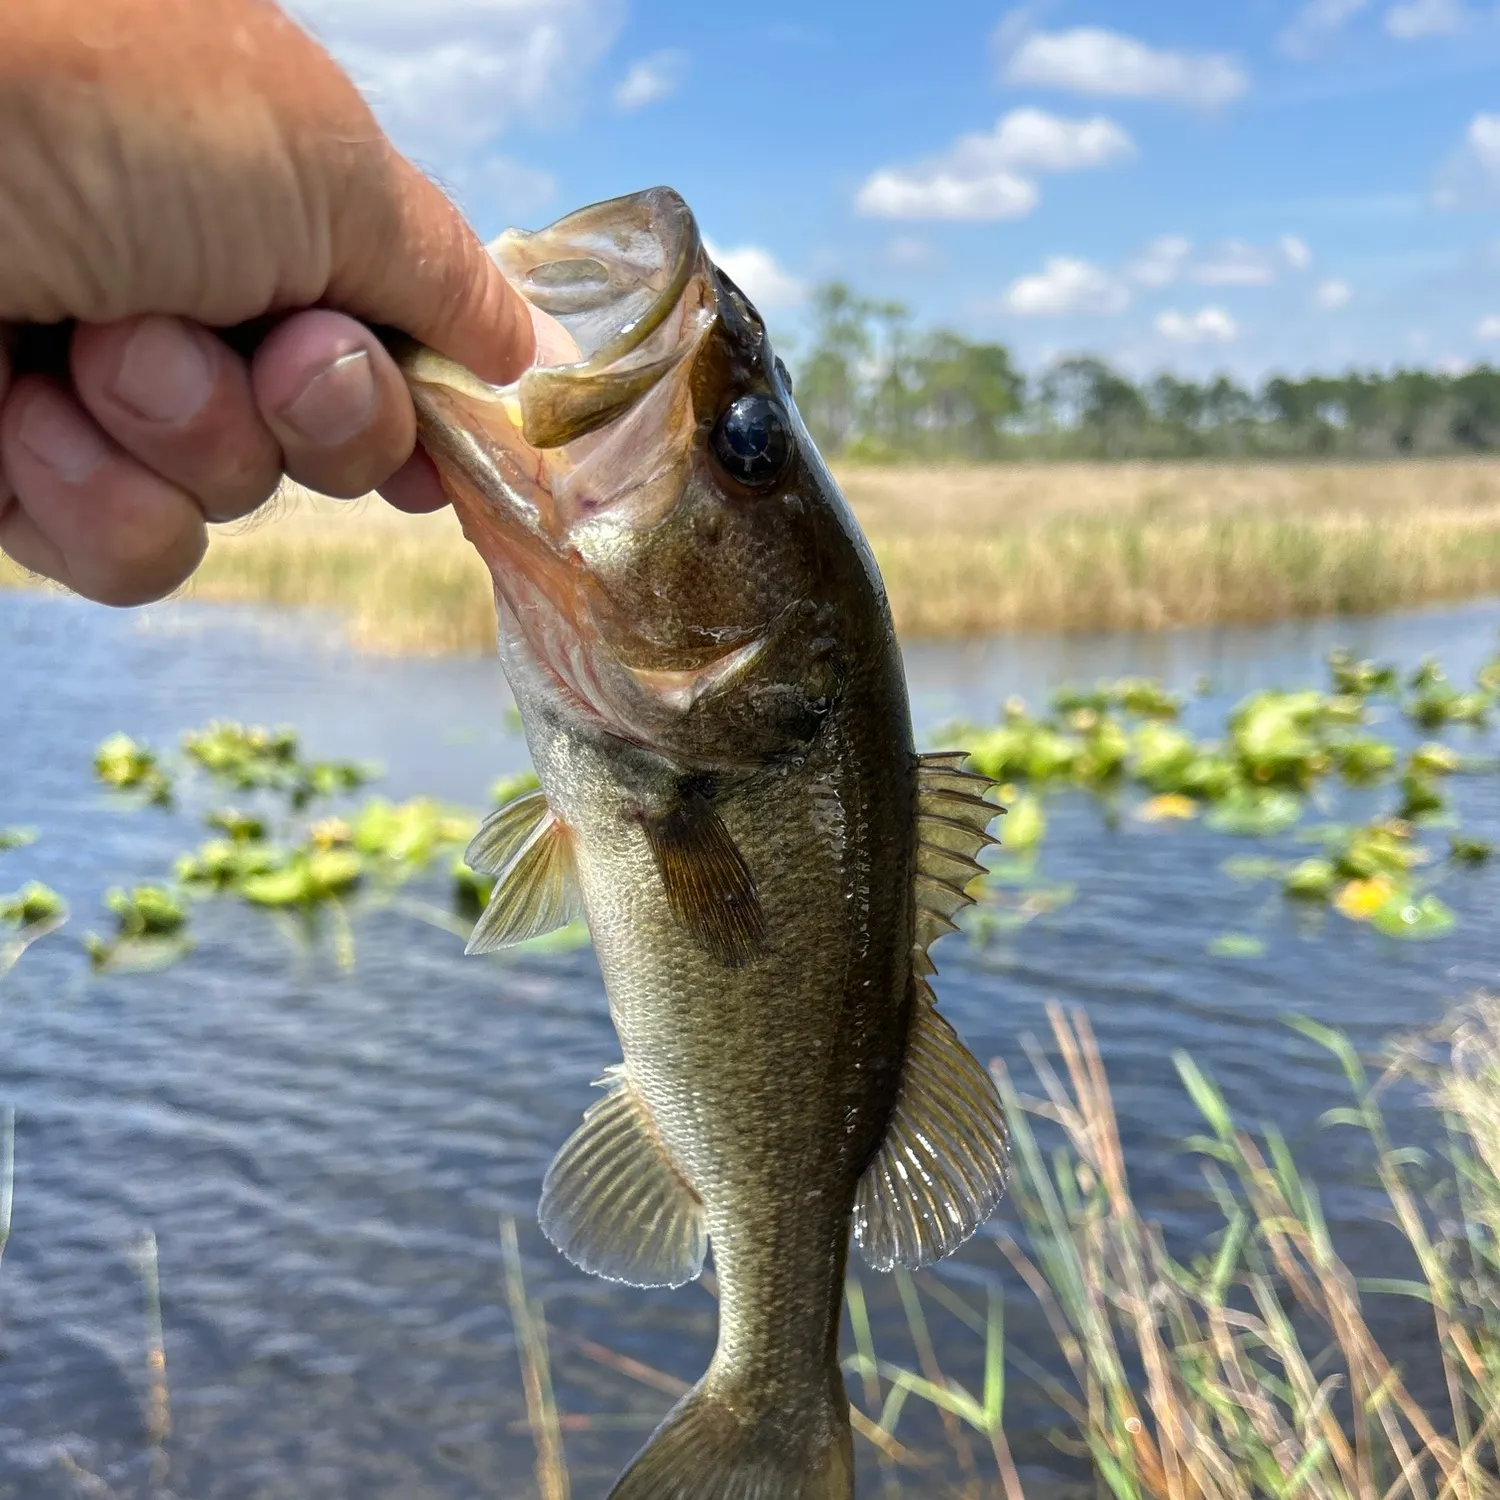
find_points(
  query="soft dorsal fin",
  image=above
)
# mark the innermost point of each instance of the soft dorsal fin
(530, 853)
(953, 820)
(709, 887)
(615, 1204)
(941, 1170)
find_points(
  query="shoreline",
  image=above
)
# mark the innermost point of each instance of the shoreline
(966, 551)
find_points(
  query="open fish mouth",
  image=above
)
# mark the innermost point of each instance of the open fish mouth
(601, 428)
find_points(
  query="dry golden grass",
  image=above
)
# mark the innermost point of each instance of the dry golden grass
(969, 551)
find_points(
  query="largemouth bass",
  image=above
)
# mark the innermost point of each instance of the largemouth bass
(698, 641)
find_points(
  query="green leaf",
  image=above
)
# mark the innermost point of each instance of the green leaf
(1414, 918)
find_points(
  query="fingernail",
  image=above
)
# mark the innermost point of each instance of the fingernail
(337, 404)
(57, 436)
(165, 375)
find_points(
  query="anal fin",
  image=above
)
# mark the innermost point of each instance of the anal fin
(530, 853)
(615, 1204)
(941, 1170)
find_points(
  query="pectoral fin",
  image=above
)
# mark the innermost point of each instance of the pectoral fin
(941, 1171)
(709, 887)
(614, 1203)
(531, 855)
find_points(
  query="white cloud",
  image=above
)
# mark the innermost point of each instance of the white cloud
(1419, 18)
(1295, 252)
(1066, 286)
(447, 76)
(1209, 325)
(1234, 263)
(651, 79)
(935, 194)
(1332, 295)
(981, 175)
(1488, 327)
(757, 273)
(1472, 175)
(1091, 60)
(1161, 261)
(1317, 24)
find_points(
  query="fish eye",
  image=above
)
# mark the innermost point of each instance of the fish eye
(753, 440)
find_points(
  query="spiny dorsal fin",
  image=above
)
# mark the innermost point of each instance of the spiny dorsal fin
(953, 820)
(614, 1203)
(531, 855)
(710, 889)
(941, 1170)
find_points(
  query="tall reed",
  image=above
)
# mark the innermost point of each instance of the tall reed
(970, 550)
(1248, 1369)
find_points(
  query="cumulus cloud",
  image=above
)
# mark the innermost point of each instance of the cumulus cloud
(447, 76)
(651, 79)
(756, 272)
(1066, 286)
(1419, 18)
(1471, 177)
(1318, 24)
(1234, 263)
(1161, 261)
(1108, 64)
(1209, 325)
(1332, 295)
(983, 175)
(1488, 327)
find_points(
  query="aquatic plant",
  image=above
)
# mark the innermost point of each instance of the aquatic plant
(127, 765)
(1246, 1368)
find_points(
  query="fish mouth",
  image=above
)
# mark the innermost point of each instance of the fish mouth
(602, 423)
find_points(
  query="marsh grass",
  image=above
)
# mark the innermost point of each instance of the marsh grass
(969, 550)
(1247, 1370)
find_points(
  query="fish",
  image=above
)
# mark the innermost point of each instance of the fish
(697, 638)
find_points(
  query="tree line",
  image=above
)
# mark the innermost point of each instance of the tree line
(872, 387)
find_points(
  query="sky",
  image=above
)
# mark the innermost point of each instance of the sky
(1195, 185)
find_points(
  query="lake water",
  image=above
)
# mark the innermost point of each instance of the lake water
(324, 1157)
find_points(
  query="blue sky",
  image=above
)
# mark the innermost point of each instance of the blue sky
(1239, 184)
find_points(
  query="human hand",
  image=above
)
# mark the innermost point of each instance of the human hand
(172, 167)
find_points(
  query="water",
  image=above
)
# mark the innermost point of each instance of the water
(324, 1157)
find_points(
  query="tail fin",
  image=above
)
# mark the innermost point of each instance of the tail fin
(706, 1450)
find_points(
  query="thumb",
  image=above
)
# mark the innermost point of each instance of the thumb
(405, 256)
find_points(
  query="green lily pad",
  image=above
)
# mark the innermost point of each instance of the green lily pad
(1024, 825)
(146, 911)
(33, 903)
(508, 788)
(1310, 879)
(16, 838)
(1470, 851)
(1414, 917)
(1255, 813)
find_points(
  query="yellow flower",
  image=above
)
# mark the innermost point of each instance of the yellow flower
(1167, 805)
(1361, 899)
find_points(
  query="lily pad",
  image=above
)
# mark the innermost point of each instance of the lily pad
(146, 911)
(1310, 879)
(1415, 918)
(1255, 813)
(16, 838)
(33, 903)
